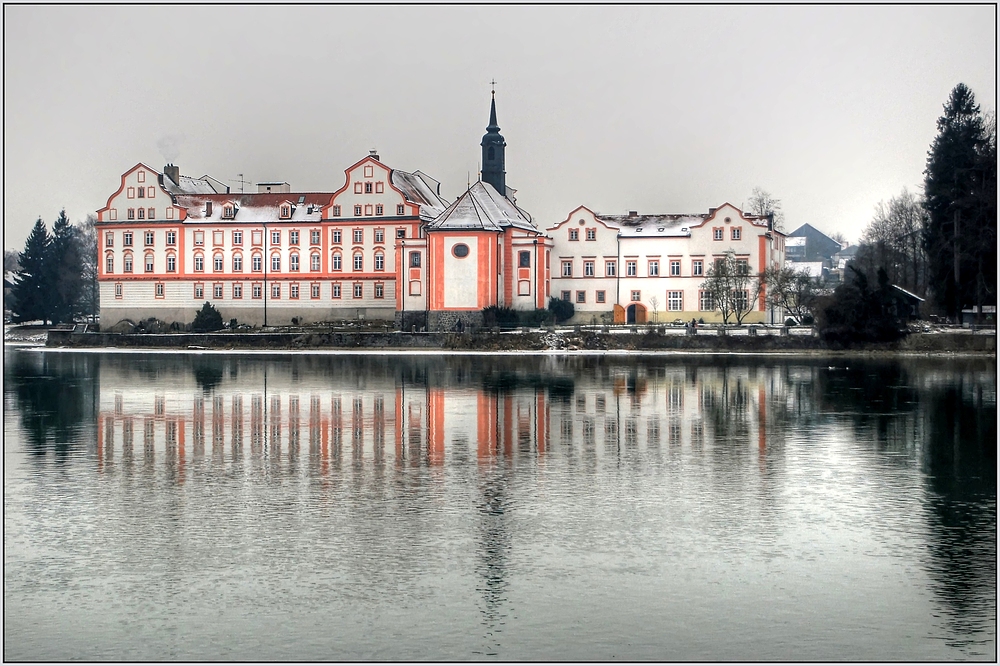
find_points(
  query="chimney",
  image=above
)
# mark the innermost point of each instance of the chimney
(173, 172)
(374, 155)
(633, 213)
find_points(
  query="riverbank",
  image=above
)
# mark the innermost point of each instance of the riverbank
(626, 339)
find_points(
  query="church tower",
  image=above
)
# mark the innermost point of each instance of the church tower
(493, 153)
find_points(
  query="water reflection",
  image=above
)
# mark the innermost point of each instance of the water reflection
(731, 430)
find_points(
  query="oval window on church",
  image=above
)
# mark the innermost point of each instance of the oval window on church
(460, 250)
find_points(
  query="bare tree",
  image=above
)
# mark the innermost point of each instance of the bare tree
(10, 261)
(91, 294)
(655, 302)
(734, 289)
(840, 238)
(762, 203)
(793, 291)
(892, 241)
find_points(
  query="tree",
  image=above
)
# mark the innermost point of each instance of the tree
(65, 268)
(733, 287)
(762, 203)
(960, 198)
(856, 312)
(791, 290)
(892, 240)
(562, 310)
(10, 262)
(654, 301)
(90, 303)
(207, 319)
(840, 238)
(31, 293)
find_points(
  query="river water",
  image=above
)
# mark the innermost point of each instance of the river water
(554, 507)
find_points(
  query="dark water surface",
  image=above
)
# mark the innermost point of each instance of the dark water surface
(304, 507)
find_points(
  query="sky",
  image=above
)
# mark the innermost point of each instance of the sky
(659, 109)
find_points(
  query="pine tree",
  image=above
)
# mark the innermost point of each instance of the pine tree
(31, 292)
(953, 181)
(65, 268)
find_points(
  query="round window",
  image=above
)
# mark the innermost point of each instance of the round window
(460, 250)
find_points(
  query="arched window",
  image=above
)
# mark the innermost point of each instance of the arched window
(199, 262)
(336, 261)
(275, 262)
(109, 266)
(149, 263)
(314, 261)
(359, 262)
(237, 263)
(128, 263)
(217, 262)
(379, 261)
(293, 262)
(256, 263)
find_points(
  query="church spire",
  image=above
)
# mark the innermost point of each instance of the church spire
(493, 146)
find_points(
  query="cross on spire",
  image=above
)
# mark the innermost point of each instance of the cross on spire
(493, 87)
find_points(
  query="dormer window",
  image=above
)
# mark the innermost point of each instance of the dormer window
(228, 211)
(638, 230)
(286, 211)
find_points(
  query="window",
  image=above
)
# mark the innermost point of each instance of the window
(359, 236)
(170, 213)
(336, 261)
(742, 267)
(610, 268)
(217, 263)
(368, 188)
(400, 233)
(314, 261)
(237, 263)
(286, 211)
(600, 296)
(237, 290)
(109, 239)
(199, 262)
(414, 260)
(293, 291)
(630, 269)
(228, 212)
(217, 291)
(158, 290)
(336, 211)
(275, 262)
(149, 263)
(379, 290)
(524, 259)
(314, 237)
(255, 291)
(654, 268)
(697, 267)
(142, 213)
(171, 263)
(336, 290)
(149, 237)
(718, 233)
(199, 238)
(379, 187)
(358, 290)
(359, 262)
(736, 233)
(109, 266)
(741, 300)
(567, 269)
(127, 239)
(581, 297)
(275, 238)
(636, 295)
(675, 301)
(118, 290)
(574, 234)
(131, 213)
(357, 210)
(337, 236)
(293, 237)
(293, 263)
(131, 193)
(675, 267)
(378, 209)
(218, 237)
(128, 263)
(140, 192)
(199, 291)
(588, 269)
(237, 238)
(707, 301)
(380, 235)
(276, 290)
(591, 234)
(400, 209)
(565, 295)
(256, 237)
(314, 291)
(171, 238)
(256, 263)
(379, 261)
(141, 176)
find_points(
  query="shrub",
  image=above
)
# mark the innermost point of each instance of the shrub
(497, 316)
(207, 319)
(562, 310)
(858, 313)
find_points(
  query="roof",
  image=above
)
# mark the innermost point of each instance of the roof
(911, 295)
(812, 268)
(481, 208)
(260, 207)
(188, 185)
(419, 188)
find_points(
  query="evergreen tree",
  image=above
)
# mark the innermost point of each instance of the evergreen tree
(31, 293)
(65, 269)
(957, 199)
(207, 319)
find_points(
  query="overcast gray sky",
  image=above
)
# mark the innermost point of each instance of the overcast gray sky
(657, 109)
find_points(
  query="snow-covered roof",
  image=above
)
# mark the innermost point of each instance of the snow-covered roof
(652, 225)
(813, 268)
(419, 188)
(256, 207)
(795, 241)
(188, 185)
(910, 294)
(482, 208)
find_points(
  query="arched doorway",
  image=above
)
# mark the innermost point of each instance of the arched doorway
(635, 314)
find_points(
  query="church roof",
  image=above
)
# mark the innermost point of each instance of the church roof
(481, 208)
